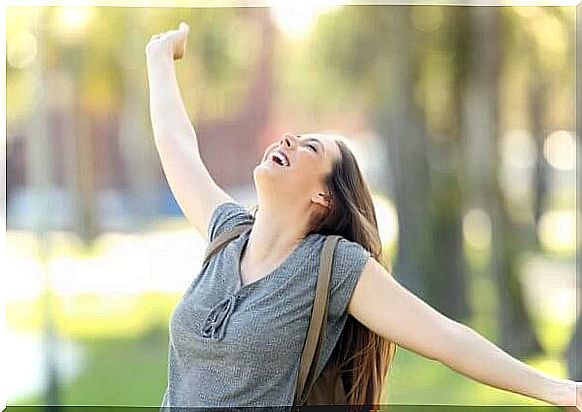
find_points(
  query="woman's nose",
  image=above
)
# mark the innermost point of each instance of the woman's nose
(288, 140)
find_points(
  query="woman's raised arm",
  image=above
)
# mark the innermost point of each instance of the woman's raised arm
(384, 306)
(192, 185)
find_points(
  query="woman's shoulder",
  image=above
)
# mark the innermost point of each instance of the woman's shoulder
(343, 248)
(349, 259)
(226, 216)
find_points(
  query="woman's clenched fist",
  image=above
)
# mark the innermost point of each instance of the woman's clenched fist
(172, 42)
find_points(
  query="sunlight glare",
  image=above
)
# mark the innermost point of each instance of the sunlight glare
(477, 229)
(72, 21)
(387, 220)
(557, 231)
(296, 19)
(560, 150)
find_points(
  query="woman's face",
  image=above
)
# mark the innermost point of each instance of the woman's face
(296, 165)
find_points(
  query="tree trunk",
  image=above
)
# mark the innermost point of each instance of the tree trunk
(447, 278)
(481, 122)
(400, 125)
(537, 98)
(429, 261)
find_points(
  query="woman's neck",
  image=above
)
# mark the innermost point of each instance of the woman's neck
(275, 233)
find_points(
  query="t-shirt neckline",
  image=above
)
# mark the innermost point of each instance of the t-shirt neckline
(241, 289)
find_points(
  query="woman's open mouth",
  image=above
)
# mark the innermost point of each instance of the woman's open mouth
(279, 158)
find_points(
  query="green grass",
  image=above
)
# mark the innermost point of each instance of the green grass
(132, 371)
(415, 379)
(119, 372)
(125, 369)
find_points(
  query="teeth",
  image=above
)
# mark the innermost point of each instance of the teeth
(281, 158)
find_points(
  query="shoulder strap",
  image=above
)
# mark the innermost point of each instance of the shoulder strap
(316, 331)
(223, 239)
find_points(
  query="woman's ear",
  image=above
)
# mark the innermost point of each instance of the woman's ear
(321, 198)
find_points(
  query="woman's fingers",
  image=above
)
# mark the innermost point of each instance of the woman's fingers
(184, 28)
(175, 39)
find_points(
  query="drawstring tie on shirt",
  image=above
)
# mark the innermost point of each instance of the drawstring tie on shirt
(217, 319)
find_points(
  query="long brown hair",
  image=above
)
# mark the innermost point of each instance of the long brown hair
(363, 356)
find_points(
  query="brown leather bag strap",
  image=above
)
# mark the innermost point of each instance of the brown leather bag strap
(310, 377)
(316, 331)
(222, 239)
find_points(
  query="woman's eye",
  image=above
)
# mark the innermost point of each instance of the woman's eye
(312, 147)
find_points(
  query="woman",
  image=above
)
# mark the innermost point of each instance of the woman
(237, 335)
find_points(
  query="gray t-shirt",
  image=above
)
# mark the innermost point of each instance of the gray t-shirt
(241, 346)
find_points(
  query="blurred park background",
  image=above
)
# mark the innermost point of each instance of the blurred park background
(462, 118)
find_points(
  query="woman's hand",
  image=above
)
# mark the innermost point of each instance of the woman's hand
(568, 398)
(171, 42)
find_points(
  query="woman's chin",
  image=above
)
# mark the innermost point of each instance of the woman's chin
(269, 174)
(269, 167)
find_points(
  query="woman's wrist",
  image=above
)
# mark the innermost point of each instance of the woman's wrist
(562, 392)
(159, 52)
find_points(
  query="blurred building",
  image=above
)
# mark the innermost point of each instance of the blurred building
(228, 146)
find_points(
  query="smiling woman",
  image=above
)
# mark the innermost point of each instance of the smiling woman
(237, 335)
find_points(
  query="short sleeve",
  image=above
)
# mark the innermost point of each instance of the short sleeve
(226, 216)
(349, 259)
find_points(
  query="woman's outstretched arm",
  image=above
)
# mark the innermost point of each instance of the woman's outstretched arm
(192, 185)
(383, 305)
